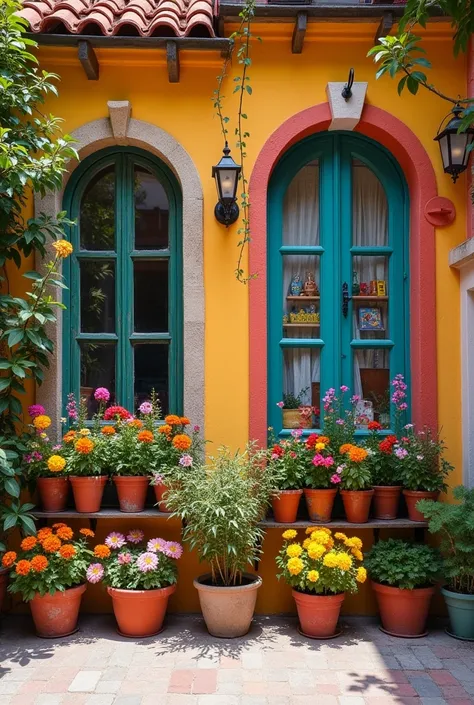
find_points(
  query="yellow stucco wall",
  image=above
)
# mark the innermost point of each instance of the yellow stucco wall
(283, 84)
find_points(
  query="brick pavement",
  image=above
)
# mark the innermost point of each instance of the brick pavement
(272, 665)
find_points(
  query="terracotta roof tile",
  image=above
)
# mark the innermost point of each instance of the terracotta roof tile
(145, 17)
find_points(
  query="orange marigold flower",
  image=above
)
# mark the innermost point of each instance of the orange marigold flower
(39, 563)
(84, 446)
(59, 524)
(136, 423)
(8, 559)
(63, 248)
(357, 455)
(28, 543)
(345, 448)
(87, 532)
(145, 437)
(173, 420)
(101, 551)
(69, 436)
(67, 551)
(182, 441)
(185, 421)
(165, 429)
(108, 430)
(324, 439)
(65, 533)
(44, 532)
(51, 544)
(23, 567)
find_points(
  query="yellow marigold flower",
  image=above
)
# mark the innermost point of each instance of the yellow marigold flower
(330, 560)
(42, 422)
(182, 441)
(316, 550)
(166, 428)
(84, 432)
(361, 575)
(326, 530)
(354, 542)
(295, 566)
(56, 463)
(290, 534)
(344, 561)
(358, 555)
(313, 576)
(28, 543)
(320, 446)
(108, 430)
(320, 536)
(84, 446)
(294, 550)
(357, 455)
(340, 536)
(63, 248)
(309, 530)
(306, 542)
(43, 435)
(345, 448)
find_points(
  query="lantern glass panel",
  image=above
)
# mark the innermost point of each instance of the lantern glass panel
(445, 151)
(458, 148)
(228, 180)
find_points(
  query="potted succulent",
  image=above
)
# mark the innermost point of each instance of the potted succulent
(403, 576)
(321, 478)
(286, 465)
(49, 572)
(356, 482)
(220, 505)
(296, 414)
(384, 470)
(455, 524)
(422, 467)
(320, 571)
(140, 576)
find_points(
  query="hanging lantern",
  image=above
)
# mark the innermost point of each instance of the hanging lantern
(454, 145)
(226, 174)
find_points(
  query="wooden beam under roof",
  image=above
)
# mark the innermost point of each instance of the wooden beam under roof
(301, 22)
(172, 60)
(88, 59)
(385, 26)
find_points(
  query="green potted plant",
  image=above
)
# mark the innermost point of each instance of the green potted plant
(356, 482)
(320, 571)
(321, 478)
(403, 576)
(286, 464)
(221, 505)
(383, 466)
(295, 413)
(140, 576)
(455, 524)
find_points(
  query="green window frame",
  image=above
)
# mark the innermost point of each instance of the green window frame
(125, 338)
(335, 152)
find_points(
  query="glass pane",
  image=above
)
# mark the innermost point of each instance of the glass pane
(372, 384)
(97, 213)
(151, 212)
(97, 296)
(301, 208)
(369, 208)
(301, 296)
(301, 380)
(369, 297)
(97, 370)
(151, 372)
(151, 296)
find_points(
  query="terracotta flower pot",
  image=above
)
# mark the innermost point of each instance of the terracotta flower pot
(357, 505)
(285, 506)
(228, 611)
(3, 584)
(88, 492)
(293, 418)
(56, 615)
(414, 496)
(318, 614)
(53, 492)
(140, 613)
(320, 503)
(131, 492)
(160, 490)
(386, 499)
(403, 612)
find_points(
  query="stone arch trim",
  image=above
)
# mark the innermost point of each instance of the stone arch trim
(92, 137)
(420, 176)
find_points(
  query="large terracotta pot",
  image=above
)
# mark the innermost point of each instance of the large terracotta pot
(285, 506)
(319, 504)
(293, 418)
(88, 492)
(228, 611)
(160, 490)
(318, 614)
(3, 584)
(56, 615)
(403, 612)
(140, 613)
(386, 499)
(414, 496)
(131, 492)
(357, 505)
(53, 492)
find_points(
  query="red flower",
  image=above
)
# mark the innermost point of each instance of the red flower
(312, 440)
(392, 439)
(278, 450)
(374, 426)
(113, 411)
(386, 447)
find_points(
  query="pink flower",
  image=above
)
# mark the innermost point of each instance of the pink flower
(115, 540)
(340, 422)
(146, 408)
(57, 447)
(401, 453)
(186, 461)
(36, 410)
(173, 549)
(196, 429)
(274, 456)
(344, 388)
(135, 536)
(329, 461)
(281, 404)
(319, 460)
(340, 469)
(355, 399)
(147, 561)
(95, 573)
(102, 394)
(156, 545)
(292, 454)
(297, 432)
(124, 558)
(158, 479)
(335, 479)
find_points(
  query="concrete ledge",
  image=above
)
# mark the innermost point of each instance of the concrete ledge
(462, 254)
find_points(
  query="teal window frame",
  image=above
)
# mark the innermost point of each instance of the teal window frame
(124, 255)
(335, 152)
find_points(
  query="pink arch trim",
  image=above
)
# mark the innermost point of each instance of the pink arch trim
(419, 173)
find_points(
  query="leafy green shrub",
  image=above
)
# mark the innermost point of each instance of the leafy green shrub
(422, 466)
(402, 564)
(12, 513)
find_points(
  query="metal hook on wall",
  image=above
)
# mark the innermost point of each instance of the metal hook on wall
(347, 90)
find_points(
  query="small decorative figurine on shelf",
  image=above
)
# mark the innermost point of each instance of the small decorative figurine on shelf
(310, 288)
(373, 287)
(355, 284)
(285, 319)
(364, 289)
(296, 286)
(381, 288)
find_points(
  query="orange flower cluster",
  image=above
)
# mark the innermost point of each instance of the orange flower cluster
(59, 524)
(108, 430)
(101, 551)
(67, 551)
(8, 559)
(357, 455)
(65, 533)
(84, 446)
(39, 563)
(136, 423)
(87, 532)
(173, 420)
(185, 421)
(69, 436)
(28, 543)
(145, 437)
(23, 567)
(182, 441)
(166, 428)
(345, 448)
(51, 544)
(43, 533)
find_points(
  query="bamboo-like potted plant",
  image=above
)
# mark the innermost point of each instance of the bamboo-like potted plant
(455, 524)
(221, 505)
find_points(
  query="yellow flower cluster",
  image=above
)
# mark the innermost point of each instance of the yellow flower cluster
(294, 550)
(295, 566)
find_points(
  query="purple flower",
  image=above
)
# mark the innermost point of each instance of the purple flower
(36, 410)
(355, 399)
(340, 469)
(281, 404)
(340, 422)
(146, 408)
(115, 540)
(401, 453)
(158, 479)
(28, 458)
(135, 536)
(147, 561)
(297, 432)
(95, 573)
(124, 558)
(156, 545)
(173, 549)
(344, 388)
(37, 456)
(71, 407)
(335, 479)
(58, 447)
(186, 461)
(102, 394)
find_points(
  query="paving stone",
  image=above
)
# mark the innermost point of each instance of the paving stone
(433, 701)
(103, 699)
(85, 681)
(351, 700)
(252, 660)
(426, 687)
(462, 672)
(127, 700)
(45, 699)
(108, 686)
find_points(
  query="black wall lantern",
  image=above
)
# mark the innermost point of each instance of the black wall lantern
(453, 144)
(226, 174)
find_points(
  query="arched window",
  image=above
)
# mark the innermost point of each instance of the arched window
(337, 275)
(123, 322)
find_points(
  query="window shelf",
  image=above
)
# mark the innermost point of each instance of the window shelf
(370, 298)
(303, 298)
(301, 325)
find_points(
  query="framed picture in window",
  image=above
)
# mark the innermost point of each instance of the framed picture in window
(370, 319)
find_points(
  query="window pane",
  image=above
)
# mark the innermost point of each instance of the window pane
(97, 370)
(151, 212)
(369, 297)
(301, 379)
(301, 208)
(301, 296)
(372, 384)
(97, 296)
(97, 213)
(369, 208)
(151, 296)
(151, 372)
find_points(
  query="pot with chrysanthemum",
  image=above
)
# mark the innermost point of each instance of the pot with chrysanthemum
(56, 615)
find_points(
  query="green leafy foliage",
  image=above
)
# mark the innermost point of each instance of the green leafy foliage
(402, 564)
(421, 462)
(13, 514)
(461, 13)
(455, 524)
